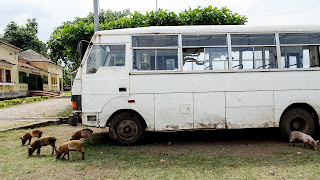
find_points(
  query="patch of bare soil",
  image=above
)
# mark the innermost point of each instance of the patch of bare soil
(248, 142)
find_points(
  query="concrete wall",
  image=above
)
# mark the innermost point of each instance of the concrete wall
(9, 55)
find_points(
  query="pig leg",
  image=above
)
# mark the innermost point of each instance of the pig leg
(52, 149)
(292, 139)
(64, 153)
(305, 144)
(38, 151)
(29, 141)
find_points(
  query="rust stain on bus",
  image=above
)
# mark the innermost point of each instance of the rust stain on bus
(99, 38)
(173, 127)
(208, 126)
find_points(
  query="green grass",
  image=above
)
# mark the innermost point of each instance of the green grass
(185, 160)
(12, 124)
(64, 113)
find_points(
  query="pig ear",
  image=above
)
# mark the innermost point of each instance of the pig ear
(30, 147)
(317, 141)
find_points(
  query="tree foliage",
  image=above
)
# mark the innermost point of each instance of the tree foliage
(24, 37)
(64, 40)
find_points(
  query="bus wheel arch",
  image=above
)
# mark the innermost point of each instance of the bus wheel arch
(126, 127)
(299, 117)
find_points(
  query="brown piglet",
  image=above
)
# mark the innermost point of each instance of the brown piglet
(65, 148)
(37, 144)
(83, 133)
(31, 134)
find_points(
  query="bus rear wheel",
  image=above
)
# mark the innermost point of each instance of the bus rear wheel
(297, 119)
(126, 128)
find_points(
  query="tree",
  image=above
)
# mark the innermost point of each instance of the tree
(25, 37)
(64, 40)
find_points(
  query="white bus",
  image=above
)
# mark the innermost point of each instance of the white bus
(200, 77)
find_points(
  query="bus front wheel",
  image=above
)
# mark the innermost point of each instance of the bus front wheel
(126, 128)
(297, 119)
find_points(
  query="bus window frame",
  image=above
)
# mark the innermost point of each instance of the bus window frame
(84, 63)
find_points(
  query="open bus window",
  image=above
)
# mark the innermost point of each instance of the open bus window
(105, 55)
(155, 59)
(211, 58)
(254, 58)
(299, 56)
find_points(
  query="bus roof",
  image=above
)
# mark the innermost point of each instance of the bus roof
(206, 29)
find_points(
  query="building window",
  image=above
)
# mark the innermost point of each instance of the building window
(45, 79)
(54, 81)
(2, 75)
(5, 75)
(23, 77)
(8, 76)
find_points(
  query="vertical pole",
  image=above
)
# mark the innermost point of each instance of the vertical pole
(96, 15)
(156, 5)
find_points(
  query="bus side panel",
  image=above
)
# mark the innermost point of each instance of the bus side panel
(144, 105)
(209, 110)
(173, 111)
(283, 99)
(250, 109)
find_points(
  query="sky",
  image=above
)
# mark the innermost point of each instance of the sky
(52, 13)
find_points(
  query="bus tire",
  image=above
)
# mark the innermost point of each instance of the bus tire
(297, 119)
(126, 128)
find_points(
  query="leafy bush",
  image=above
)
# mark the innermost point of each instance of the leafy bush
(16, 101)
(12, 102)
(8, 102)
(64, 40)
(29, 99)
(46, 97)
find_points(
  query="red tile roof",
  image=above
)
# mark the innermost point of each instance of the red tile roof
(28, 66)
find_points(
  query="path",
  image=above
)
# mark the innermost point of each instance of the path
(44, 108)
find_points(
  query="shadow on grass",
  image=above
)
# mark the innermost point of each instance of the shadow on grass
(228, 136)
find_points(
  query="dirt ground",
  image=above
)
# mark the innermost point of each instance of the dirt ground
(243, 142)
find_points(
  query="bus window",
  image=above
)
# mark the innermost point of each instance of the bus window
(254, 58)
(155, 41)
(299, 56)
(299, 50)
(155, 59)
(205, 52)
(252, 39)
(253, 51)
(158, 52)
(211, 58)
(299, 38)
(204, 40)
(105, 55)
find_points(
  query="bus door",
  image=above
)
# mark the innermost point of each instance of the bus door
(106, 76)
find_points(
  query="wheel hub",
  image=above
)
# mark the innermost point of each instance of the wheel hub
(298, 124)
(127, 129)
